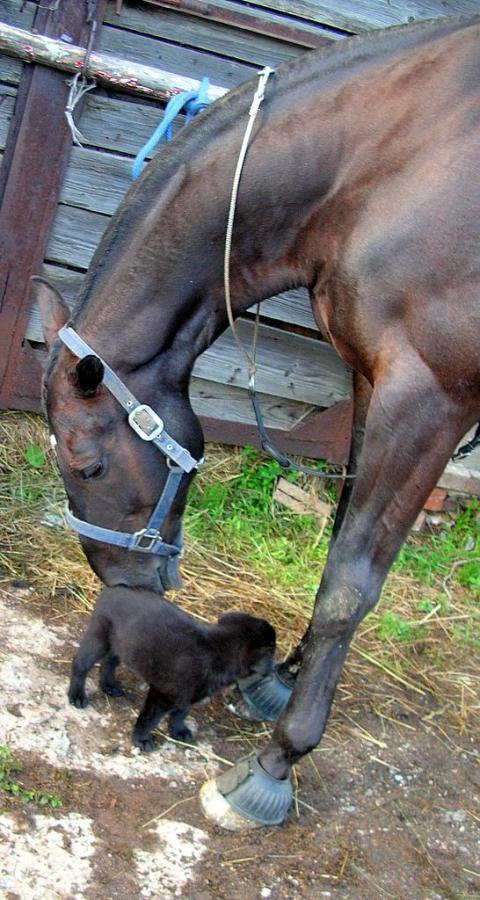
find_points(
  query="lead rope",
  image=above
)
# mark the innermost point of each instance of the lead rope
(258, 96)
(284, 461)
(80, 85)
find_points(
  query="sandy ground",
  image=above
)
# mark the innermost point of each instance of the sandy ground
(396, 814)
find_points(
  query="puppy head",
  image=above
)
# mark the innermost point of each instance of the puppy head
(256, 641)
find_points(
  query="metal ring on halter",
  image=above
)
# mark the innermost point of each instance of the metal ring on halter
(149, 426)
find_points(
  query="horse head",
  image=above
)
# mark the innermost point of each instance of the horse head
(113, 479)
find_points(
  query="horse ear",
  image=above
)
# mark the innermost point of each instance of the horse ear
(54, 312)
(89, 374)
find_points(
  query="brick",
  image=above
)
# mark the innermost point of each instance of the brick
(436, 500)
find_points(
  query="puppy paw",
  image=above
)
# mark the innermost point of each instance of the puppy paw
(181, 733)
(78, 700)
(146, 745)
(113, 690)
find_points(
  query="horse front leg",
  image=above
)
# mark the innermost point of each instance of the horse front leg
(267, 697)
(412, 428)
(362, 392)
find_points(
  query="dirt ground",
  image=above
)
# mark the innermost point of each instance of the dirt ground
(390, 810)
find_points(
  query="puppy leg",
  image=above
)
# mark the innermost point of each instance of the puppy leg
(154, 708)
(177, 728)
(93, 646)
(108, 683)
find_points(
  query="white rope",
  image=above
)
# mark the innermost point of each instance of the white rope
(78, 88)
(266, 443)
(263, 77)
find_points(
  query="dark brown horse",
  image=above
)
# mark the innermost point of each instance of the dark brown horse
(362, 183)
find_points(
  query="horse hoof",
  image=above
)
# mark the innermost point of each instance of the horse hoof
(246, 797)
(266, 697)
(218, 810)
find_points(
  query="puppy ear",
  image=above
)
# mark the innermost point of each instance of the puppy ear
(266, 633)
(54, 312)
(88, 374)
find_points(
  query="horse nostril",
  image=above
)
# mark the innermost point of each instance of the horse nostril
(94, 470)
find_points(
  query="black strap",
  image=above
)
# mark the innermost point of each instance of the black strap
(175, 475)
(284, 461)
(467, 448)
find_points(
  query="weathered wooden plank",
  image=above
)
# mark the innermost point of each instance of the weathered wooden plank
(289, 365)
(96, 181)
(74, 236)
(153, 52)
(67, 281)
(7, 106)
(10, 70)
(119, 125)
(221, 24)
(18, 13)
(211, 36)
(290, 306)
(227, 403)
(7, 90)
(355, 16)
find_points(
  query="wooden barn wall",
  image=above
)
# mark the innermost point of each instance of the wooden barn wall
(10, 71)
(97, 176)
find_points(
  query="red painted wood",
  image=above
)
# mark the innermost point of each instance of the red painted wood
(36, 158)
(290, 31)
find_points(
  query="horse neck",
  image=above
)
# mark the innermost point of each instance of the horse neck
(155, 288)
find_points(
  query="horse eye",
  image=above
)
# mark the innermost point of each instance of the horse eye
(94, 470)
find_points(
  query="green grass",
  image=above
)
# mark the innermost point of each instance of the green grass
(432, 556)
(230, 515)
(392, 628)
(9, 784)
(239, 515)
(246, 551)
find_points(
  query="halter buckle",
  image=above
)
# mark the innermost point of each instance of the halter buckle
(145, 421)
(145, 535)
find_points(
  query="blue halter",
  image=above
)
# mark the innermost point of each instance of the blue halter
(149, 427)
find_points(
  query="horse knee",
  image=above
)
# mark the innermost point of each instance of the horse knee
(337, 613)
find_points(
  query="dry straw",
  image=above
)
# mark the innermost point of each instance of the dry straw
(430, 683)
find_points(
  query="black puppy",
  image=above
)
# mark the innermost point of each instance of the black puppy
(181, 659)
